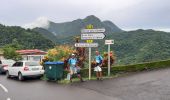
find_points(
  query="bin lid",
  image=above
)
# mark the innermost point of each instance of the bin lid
(54, 63)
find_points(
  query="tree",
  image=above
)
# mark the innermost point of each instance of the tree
(10, 53)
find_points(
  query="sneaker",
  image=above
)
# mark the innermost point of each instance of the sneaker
(82, 80)
(71, 81)
(101, 79)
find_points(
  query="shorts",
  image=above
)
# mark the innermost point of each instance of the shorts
(74, 70)
(97, 69)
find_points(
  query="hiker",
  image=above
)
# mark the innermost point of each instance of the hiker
(98, 69)
(73, 68)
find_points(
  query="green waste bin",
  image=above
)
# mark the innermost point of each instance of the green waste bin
(54, 70)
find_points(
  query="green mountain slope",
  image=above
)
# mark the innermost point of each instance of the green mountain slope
(74, 27)
(130, 47)
(27, 38)
(45, 33)
(134, 46)
(140, 46)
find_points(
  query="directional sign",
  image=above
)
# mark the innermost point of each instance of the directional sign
(93, 36)
(101, 30)
(109, 41)
(86, 44)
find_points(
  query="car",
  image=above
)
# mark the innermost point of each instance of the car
(4, 64)
(22, 69)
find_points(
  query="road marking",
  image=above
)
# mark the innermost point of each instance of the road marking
(4, 88)
(8, 99)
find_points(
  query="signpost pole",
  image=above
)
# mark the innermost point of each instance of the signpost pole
(108, 59)
(89, 63)
(90, 26)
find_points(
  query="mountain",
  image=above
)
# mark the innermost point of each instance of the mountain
(130, 47)
(45, 33)
(27, 38)
(139, 46)
(74, 27)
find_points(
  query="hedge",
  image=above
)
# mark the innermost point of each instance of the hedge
(128, 68)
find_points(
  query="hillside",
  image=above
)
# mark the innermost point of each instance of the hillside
(45, 33)
(67, 29)
(134, 46)
(27, 38)
(130, 47)
(140, 46)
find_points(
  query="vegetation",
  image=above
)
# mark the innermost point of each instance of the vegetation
(130, 47)
(115, 70)
(60, 53)
(28, 39)
(64, 31)
(10, 53)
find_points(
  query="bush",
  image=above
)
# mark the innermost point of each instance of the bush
(128, 68)
(60, 53)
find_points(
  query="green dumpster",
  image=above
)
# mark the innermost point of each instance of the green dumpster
(54, 70)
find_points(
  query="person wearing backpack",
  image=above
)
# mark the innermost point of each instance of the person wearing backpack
(98, 69)
(74, 69)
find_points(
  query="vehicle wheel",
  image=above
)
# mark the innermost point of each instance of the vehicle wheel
(20, 77)
(7, 74)
(39, 77)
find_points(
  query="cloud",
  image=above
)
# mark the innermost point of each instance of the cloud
(124, 13)
(40, 22)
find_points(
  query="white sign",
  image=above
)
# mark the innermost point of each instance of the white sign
(101, 30)
(93, 36)
(109, 41)
(86, 44)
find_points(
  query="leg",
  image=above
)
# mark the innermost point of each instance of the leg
(71, 74)
(101, 76)
(97, 75)
(79, 76)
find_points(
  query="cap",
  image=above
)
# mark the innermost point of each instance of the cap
(73, 54)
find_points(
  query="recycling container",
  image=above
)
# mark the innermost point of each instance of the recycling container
(54, 70)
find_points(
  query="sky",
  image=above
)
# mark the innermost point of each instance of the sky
(126, 14)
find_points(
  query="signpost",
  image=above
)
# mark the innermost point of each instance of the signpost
(93, 36)
(100, 30)
(89, 34)
(109, 42)
(86, 44)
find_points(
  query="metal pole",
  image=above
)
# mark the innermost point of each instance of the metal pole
(108, 59)
(89, 63)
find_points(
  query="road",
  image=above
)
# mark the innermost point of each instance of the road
(153, 85)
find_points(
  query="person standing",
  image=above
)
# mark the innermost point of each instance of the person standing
(73, 68)
(98, 69)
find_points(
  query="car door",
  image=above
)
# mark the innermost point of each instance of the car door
(12, 68)
(17, 68)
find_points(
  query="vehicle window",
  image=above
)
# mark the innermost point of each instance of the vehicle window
(8, 62)
(32, 64)
(15, 64)
(0, 62)
(18, 64)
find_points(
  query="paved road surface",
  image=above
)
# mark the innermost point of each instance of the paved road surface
(154, 85)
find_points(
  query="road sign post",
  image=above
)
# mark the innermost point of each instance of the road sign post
(109, 42)
(89, 34)
(89, 63)
(108, 59)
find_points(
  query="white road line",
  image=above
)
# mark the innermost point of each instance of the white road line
(8, 99)
(4, 88)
